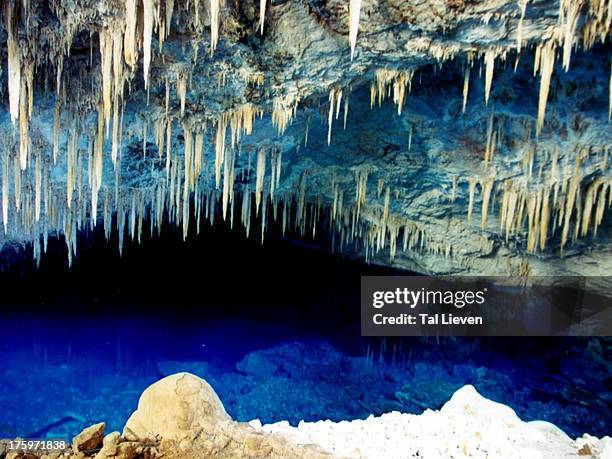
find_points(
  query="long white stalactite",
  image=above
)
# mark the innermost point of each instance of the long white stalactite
(354, 13)
(545, 62)
(262, 15)
(147, 37)
(214, 24)
(14, 60)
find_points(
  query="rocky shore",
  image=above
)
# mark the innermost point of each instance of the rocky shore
(181, 416)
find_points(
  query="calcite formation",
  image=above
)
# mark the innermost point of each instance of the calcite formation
(128, 114)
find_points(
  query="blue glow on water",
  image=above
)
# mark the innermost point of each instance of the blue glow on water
(59, 376)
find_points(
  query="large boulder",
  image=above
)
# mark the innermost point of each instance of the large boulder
(179, 407)
(184, 417)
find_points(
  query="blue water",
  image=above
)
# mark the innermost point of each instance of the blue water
(59, 376)
(275, 331)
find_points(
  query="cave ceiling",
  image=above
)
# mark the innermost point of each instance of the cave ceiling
(437, 136)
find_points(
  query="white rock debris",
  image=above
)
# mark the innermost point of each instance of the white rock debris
(467, 426)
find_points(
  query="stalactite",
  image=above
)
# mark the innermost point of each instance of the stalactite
(71, 154)
(106, 59)
(489, 58)
(601, 205)
(24, 138)
(338, 102)
(569, 16)
(522, 4)
(129, 37)
(17, 183)
(214, 24)
(332, 95)
(115, 134)
(228, 181)
(471, 189)
(5, 187)
(262, 15)
(219, 148)
(410, 138)
(466, 87)
(487, 187)
(14, 59)
(354, 13)
(245, 210)
(260, 176)
(491, 139)
(188, 163)
(181, 89)
(196, 10)
(346, 110)
(198, 150)
(168, 145)
(37, 187)
(264, 216)
(385, 217)
(147, 36)
(56, 128)
(361, 178)
(96, 175)
(545, 61)
(306, 131)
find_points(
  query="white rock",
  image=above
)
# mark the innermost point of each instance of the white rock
(178, 407)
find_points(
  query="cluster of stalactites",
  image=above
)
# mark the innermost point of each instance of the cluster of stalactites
(594, 19)
(284, 110)
(565, 200)
(240, 122)
(20, 82)
(389, 83)
(121, 41)
(180, 196)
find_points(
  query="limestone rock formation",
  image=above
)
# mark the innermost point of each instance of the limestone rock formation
(183, 413)
(179, 408)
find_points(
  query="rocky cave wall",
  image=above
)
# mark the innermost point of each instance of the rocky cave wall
(439, 136)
